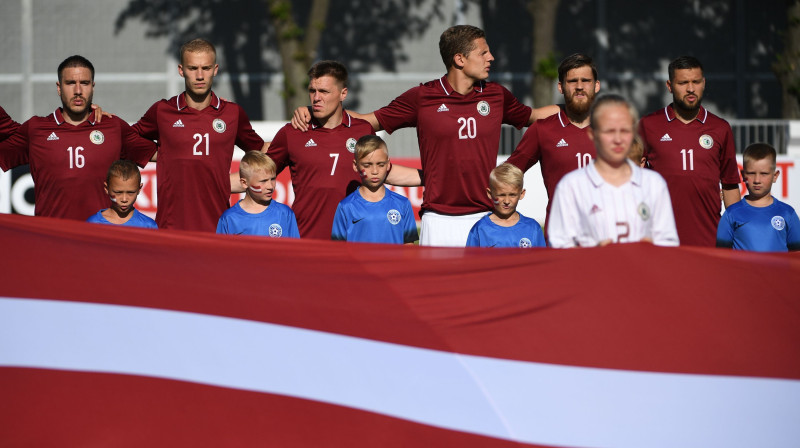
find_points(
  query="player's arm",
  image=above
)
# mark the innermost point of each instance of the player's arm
(404, 176)
(543, 112)
(410, 234)
(793, 232)
(302, 117)
(136, 148)
(339, 228)
(14, 149)
(559, 228)
(730, 194)
(725, 231)
(664, 231)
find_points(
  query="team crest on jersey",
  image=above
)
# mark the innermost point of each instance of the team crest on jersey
(706, 141)
(778, 223)
(351, 144)
(275, 230)
(483, 108)
(219, 125)
(97, 137)
(525, 243)
(394, 217)
(644, 211)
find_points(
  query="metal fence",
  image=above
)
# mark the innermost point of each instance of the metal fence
(774, 132)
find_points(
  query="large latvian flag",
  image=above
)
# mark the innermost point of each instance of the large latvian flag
(120, 337)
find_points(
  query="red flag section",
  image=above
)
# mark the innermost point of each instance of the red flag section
(131, 337)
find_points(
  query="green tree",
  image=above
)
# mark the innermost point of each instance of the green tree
(297, 46)
(543, 56)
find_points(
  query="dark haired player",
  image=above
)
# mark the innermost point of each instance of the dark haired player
(458, 119)
(321, 160)
(196, 131)
(694, 151)
(560, 142)
(69, 151)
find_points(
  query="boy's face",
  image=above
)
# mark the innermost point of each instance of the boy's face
(123, 193)
(505, 198)
(260, 185)
(759, 175)
(373, 168)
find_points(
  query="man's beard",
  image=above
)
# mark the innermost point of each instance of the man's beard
(682, 105)
(579, 108)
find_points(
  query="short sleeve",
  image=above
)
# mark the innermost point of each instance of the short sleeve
(725, 231)
(14, 150)
(339, 230)
(278, 149)
(514, 112)
(401, 112)
(527, 153)
(246, 137)
(147, 126)
(410, 233)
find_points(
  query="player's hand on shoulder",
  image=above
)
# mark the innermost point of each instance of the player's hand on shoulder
(99, 113)
(301, 118)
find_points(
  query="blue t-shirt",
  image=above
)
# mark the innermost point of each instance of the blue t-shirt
(774, 228)
(138, 219)
(390, 220)
(525, 233)
(277, 221)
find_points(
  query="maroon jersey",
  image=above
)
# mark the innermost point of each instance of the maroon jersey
(459, 136)
(69, 163)
(693, 158)
(558, 145)
(321, 163)
(194, 158)
(7, 125)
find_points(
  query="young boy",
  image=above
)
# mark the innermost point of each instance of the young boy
(611, 200)
(505, 226)
(257, 213)
(372, 213)
(122, 185)
(759, 222)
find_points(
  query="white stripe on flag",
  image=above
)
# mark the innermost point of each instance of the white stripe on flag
(523, 401)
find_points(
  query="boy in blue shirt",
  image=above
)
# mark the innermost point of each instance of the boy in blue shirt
(373, 213)
(760, 222)
(258, 213)
(123, 184)
(505, 226)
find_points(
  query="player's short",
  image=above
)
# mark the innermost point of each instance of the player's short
(447, 230)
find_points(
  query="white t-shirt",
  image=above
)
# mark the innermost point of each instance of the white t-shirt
(587, 210)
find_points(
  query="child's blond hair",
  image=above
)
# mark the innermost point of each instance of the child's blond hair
(507, 174)
(759, 151)
(254, 161)
(368, 144)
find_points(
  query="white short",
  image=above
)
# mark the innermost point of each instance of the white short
(447, 230)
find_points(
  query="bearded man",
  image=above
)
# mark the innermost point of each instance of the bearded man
(560, 142)
(694, 151)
